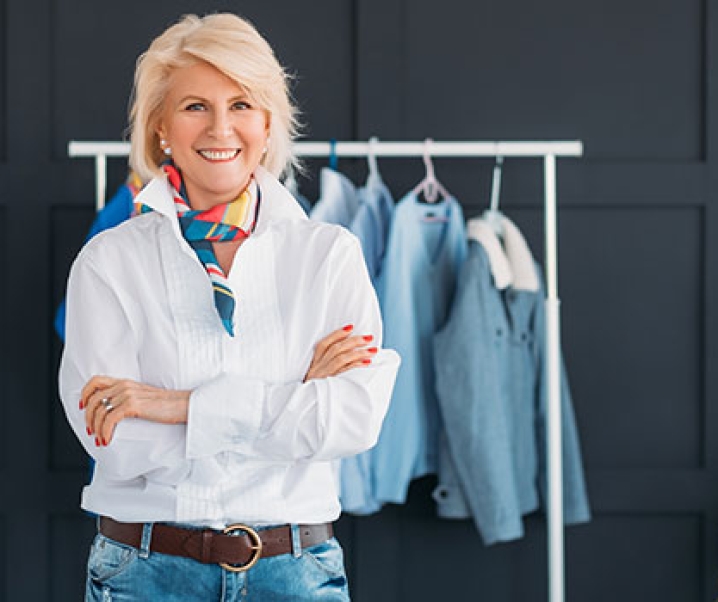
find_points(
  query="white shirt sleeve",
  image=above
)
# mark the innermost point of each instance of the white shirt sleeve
(101, 340)
(321, 419)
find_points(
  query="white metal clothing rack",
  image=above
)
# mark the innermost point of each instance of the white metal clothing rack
(549, 151)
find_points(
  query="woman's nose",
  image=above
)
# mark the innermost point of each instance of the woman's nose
(220, 125)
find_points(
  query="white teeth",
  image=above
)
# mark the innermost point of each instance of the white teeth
(218, 155)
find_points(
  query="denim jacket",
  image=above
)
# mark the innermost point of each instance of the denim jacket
(492, 395)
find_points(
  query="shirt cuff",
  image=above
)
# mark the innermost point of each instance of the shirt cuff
(224, 414)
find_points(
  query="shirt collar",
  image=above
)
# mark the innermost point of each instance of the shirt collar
(510, 259)
(277, 203)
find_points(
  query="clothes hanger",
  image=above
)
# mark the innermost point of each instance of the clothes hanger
(371, 159)
(333, 157)
(492, 216)
(430, 187)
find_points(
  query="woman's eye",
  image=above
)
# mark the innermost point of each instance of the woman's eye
(241, 105)
(195, 106)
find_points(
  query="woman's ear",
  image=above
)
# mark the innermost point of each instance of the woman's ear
(267, 123)
(164, 144)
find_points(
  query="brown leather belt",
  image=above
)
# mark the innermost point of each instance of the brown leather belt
(237, 548)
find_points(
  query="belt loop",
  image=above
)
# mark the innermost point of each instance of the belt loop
(146, 539)
(296, 540)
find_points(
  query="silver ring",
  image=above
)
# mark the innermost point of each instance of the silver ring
(105, 401)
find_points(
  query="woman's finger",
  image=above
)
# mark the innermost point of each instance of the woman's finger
(350, 344)
(331, 339)
(363, 363)
(112, 418)
(103, 403)
(350, 358)
(106, 394)
(93, 385)
(336, 364)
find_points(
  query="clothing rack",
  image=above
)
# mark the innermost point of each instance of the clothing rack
(549, 151)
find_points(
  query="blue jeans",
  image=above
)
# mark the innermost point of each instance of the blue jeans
(121, 573)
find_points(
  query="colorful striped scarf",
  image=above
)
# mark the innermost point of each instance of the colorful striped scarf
(225, 222)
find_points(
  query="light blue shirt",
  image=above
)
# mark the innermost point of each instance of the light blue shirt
(372, 222)
(427, 245)
(371, 225)
(338, 200)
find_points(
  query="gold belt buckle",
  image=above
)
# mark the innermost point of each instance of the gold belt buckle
(256, 548)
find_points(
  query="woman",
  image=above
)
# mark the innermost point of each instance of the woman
(222, 350)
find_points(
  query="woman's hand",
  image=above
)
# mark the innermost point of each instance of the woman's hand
(107, 401)
(338, 352)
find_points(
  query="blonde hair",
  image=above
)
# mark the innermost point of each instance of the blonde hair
(233, 46)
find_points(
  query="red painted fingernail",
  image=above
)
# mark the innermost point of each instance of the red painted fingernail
(82, 405)
(366, 361)
(372, 350)
(368, 337)
(97, 442)
(104, 442)
(348, 327)
(89, 430)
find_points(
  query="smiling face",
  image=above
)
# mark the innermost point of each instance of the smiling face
(216, 132)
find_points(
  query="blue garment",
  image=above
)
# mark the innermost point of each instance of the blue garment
(119, 572)
(303, 202)
(372, 222)
(117, 210)
(427, 245)
(290, 183)
(490, 384)
(371, 225)
(338, 200)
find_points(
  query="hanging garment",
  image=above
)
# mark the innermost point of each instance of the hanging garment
(291, 184)
(372, 222)
(427, 245)
(117, 210)
(338, 201)
(489, 361)
(371, 225)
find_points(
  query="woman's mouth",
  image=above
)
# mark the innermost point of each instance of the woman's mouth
(219, 155)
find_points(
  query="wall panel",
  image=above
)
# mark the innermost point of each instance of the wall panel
(644, 557)
(560, 70)
(3, 558)
(3, 80)
(632, 330)
(4, 290)
(70, 539)
(69, 226)
(91, 96)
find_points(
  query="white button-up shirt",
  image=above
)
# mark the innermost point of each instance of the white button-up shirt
(260, 445)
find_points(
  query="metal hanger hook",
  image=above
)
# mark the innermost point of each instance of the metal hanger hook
(496, 183)
(371, 156)
(428, 163)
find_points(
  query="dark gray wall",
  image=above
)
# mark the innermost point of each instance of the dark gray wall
(636, 80)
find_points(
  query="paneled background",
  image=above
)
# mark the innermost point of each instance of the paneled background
(635, 80)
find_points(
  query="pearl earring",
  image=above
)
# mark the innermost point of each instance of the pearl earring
(167, 150)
